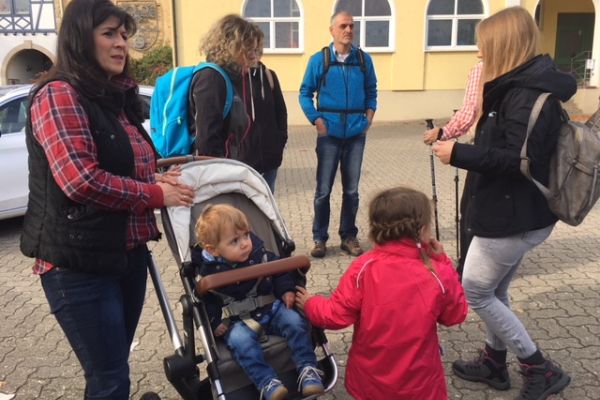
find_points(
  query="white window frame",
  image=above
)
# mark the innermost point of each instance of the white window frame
(362, 20)
(272, 20)
(454, 18)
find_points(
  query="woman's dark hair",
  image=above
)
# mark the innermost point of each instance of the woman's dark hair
(75, 55)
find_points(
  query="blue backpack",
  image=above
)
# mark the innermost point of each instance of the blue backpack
(169, 109)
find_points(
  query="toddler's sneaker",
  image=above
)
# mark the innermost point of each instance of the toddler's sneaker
(274, 390)
(310, 381)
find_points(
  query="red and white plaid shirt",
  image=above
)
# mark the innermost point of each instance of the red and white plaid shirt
(465, 117)
(61, 127)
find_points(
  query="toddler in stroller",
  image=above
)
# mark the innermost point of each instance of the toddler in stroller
(243, 312)
(217, 182)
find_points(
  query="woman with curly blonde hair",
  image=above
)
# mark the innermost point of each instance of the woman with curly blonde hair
(394, 294)
(234, 44)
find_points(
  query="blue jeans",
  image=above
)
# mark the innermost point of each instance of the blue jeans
(98, 315)
(270, 177)
(348, 154)
(246, 349)
(489, 268)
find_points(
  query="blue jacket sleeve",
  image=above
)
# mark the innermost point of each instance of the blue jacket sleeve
(309, 86)
(371, 84)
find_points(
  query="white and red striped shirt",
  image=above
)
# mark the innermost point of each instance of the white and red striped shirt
(465, 117)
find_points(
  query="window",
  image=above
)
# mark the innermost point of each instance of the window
(451, 23)
(280, 21)
(13, 116)
(17, 7)
(373, 23)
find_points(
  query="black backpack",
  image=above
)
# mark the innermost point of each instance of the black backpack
(327, 63)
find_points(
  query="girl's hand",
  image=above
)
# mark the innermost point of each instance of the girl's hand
(443, 150)
(288, 299)
(302, 295)
(220, 330)
(435, 246)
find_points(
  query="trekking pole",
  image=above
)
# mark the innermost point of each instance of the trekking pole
(456, 215)
(433, 188)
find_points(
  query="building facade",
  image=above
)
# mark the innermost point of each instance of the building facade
(422, 49)
(28, 31)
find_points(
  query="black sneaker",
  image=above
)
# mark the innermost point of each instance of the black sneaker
(483, 369)
(541, 381)
(319, 250)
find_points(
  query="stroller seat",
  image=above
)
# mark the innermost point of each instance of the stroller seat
(227, 181)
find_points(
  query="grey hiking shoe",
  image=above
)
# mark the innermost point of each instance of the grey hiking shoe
(483, 369)
(351, 246)
(541, 381)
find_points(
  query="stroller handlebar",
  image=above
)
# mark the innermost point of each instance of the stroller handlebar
(167, 162)
(216, 281)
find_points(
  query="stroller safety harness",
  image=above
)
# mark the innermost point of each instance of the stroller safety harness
(246, 306)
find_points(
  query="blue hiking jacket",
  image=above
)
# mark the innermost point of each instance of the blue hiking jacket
(343, 96)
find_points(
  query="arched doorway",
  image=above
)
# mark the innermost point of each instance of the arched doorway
(26, 65)
(568, 33)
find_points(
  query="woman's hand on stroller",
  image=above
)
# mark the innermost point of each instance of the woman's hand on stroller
(177, 195)
(220, 330)
(302, 295)
(289, 299)
(171, 176)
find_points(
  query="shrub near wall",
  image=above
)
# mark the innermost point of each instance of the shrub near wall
(153, 64)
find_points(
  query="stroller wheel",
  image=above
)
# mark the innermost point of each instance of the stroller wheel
(150, 396)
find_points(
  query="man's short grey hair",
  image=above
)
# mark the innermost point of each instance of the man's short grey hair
(334, 16)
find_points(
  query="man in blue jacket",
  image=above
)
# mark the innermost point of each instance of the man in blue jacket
(346, 99)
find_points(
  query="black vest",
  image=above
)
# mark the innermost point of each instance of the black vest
(73, 235)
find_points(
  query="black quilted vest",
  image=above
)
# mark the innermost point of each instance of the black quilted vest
(72, 235)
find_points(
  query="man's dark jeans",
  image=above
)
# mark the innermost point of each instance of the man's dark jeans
(99, 315)
(348, 154)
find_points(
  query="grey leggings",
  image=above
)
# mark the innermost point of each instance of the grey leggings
(489, 268)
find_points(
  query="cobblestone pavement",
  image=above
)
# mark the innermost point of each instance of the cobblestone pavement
(556, 292)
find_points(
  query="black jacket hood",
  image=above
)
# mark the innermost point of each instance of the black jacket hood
(538, 73)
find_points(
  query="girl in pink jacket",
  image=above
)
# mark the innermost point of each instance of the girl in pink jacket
(394, 295)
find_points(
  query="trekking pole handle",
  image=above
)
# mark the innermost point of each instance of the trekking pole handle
(429, 122)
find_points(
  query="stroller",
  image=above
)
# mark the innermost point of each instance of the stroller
(231, 182)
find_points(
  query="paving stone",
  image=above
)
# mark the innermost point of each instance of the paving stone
(556, 292)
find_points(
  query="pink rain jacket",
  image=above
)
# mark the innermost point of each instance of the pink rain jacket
(395, 303)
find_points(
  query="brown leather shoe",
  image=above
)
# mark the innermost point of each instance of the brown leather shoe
(319, 250)
(351, 246)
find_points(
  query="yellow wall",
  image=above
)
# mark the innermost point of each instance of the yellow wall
(402, 69)
(407, 68)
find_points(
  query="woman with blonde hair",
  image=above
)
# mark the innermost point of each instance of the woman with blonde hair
(234, 44)
(506, 213)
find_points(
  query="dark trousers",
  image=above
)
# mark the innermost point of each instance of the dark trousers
(99, 315)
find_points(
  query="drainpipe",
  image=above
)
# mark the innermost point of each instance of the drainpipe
(174, 32)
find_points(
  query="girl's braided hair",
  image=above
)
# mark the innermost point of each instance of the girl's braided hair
(400, 213)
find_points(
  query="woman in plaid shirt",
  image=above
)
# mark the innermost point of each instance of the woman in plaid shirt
(93, 189)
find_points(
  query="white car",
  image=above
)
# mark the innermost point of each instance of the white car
(13, 151)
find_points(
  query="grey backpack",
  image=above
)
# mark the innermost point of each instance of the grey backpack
(573, 181)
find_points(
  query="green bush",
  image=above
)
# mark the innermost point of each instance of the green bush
(152, 65)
